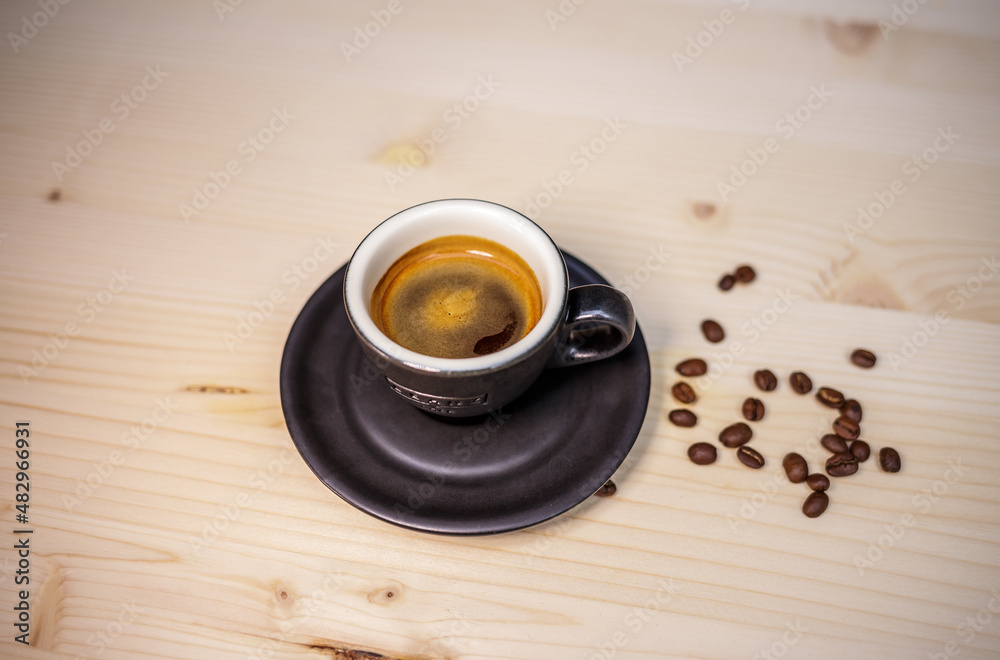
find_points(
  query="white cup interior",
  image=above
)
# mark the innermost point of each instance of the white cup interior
(409, 228)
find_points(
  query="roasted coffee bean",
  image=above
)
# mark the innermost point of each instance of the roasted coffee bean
(846, 428)
(888, 459)
(818, 481)
(692, 367)
(683, 417)
(796, 468)
(833, 443)
(852, 409)
(816, 504)
(753, 409)
(765, 380)
(745, 274)
(830, 397)
(607, 490)
(862, 357)
(713, 331)
(735, 435)
(702, 453)
(801, 384)
(683, 392)
(750, 457)
(841, 465)
(860, 450)
(727, 282)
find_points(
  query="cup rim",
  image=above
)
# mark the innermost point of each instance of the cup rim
(552, 314)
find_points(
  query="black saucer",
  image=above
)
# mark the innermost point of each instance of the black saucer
(538, 457)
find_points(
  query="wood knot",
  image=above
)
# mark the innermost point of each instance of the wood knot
(850, 38)
(55, 195)
(385, 595)
(283, 595)
(703, 210)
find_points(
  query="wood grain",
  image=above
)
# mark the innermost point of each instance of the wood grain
(173, 517)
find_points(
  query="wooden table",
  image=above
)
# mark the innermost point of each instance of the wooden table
(179, 177)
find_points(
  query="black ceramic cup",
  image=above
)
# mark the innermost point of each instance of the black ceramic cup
(576, 325)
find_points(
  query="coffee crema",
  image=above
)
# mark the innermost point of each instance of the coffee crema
(457, 297)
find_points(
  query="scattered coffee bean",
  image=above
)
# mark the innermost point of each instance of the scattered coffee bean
(801, 384)
(863, 358)
(750, 457)
(830, 397)
(860, 450)
(753, 409)
(816, 504)
(796, 468)
(765, 380)
(607, 490)
(846, 427)
(702, 453)
(692, 367)
(833, 443)
(683, 417)
(745, 274)
(735, 435)
(818, 481)
(727, 282)
(713, 331)
(852, 409)
(888, 459)
(841, 465)
(683, 392)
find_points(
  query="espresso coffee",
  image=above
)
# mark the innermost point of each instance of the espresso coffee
(457, 297)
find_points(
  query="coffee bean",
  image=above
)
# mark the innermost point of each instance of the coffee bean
(683, 392)
(727, 282)
(841, 465)
(753, 409)
(692, 367)
(830, 397)
(863, 358)
(852, 409)
(683, 417)
(888, 459)
(801, 384)
(818, 481)
(735, 435)
(745, 274)
(765, 380)
(713, 331)
(796, 468)
(750, 457)
(860, 450)
(702, 453)
(607, 490)
(833, 443)
(816, 504)
(846, 428)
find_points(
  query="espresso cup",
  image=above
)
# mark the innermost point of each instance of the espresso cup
(460, 304)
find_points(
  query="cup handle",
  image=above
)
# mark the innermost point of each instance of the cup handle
(599, 323)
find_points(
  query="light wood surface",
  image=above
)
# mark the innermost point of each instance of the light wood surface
(173, 517)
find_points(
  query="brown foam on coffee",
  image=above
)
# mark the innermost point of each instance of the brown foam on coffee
(457, 297)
